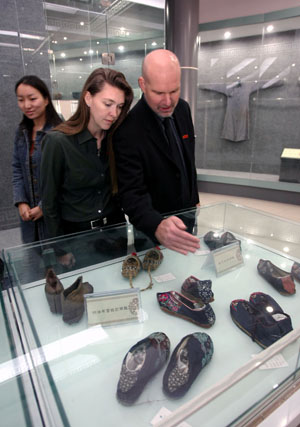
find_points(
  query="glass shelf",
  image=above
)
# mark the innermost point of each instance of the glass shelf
(77, 367)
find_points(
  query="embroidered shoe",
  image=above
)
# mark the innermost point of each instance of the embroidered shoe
(131, 267)
(266, 304)
(281, 280)
(140, 364)
(152, 260)
(197, 290)
(53, 291)
(296, 271)
(189, 357)
(176, 304)
(261, 327)
(73, 302)
(215, 241)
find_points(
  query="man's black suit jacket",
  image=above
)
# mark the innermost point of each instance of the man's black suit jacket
(149, 180)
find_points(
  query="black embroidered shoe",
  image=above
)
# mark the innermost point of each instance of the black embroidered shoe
(281, 280)
(140, 364)
(189, 357)
(197, 290)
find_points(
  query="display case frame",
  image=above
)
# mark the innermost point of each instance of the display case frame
(63, 355)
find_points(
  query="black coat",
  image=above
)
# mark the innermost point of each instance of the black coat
(148, 178)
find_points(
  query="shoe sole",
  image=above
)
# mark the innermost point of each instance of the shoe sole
(185, 318)
(246, 332)
(193, 298)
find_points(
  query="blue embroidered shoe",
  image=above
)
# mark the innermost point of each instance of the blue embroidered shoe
(189, 357)
(176, 304)
(215, 241)
(142, 361)
(270, 307)
(281, 280)
(261, 327)
(197, 290)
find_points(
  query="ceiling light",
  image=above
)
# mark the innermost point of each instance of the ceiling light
(63, 55)
(31, 37)
(153, 44)
(41, 53)
(91, 51)
(121, 48)
(80, 59)
(227, 35)
(98, 42)
(81, 23)
(60, 8)
(85, 52)
(65, 38)
(270, 28)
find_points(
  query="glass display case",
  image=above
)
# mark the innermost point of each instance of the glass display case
(75, 368)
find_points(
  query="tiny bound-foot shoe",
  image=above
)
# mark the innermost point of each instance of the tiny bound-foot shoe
(54, 291)
(228, 238)
(73, 302)
(140, 364)
(197, 290)
(213, 240)
(189, 357)
(131, 267)
(296, 271)
(281, 280)
(176, 304)
(152, 260)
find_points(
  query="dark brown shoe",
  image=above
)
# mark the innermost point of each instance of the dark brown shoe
(296, 271)
(54, 290)
(281, 280)
(73, 300)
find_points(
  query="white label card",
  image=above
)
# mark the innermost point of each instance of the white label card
(113, 308)
(164, 277)
(227, 258)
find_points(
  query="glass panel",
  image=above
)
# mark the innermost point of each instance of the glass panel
(84, 35)
(72, 354)
(248, 98)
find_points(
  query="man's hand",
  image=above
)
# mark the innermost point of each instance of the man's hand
(171, 233)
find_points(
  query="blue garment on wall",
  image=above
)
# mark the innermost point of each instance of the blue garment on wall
(236, 121)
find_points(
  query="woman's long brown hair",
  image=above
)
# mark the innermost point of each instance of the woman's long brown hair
(80, 119)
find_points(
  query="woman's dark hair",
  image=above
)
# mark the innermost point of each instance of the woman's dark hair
(52, 118)
(94, 84)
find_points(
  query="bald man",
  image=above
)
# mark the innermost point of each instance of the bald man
(155, 157)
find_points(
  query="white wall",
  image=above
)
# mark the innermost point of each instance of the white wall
(217, 10)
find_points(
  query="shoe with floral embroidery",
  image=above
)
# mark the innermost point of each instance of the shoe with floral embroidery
(197, 290)
(140, 364)
(189, 357)
(176, 304)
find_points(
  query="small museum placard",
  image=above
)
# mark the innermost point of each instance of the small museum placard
(227, 258)
(113, 308)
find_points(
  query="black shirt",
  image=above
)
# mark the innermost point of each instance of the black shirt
(75, 180)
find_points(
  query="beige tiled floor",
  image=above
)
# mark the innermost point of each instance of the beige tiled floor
(287, 211)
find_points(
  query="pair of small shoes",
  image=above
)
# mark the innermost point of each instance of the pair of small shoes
(132, 265)
(261, 318)
(215, 241)
(296, 271)
(281, 280)
(198, 290)
(149, 355)
(176, 304)
(68, 302)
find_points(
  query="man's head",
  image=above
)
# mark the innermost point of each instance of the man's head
(160, 81)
